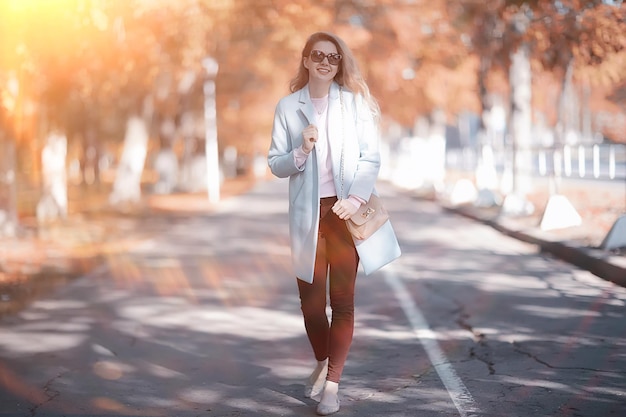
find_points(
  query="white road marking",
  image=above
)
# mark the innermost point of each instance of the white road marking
(460, 395)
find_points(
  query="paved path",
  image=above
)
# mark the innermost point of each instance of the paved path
(201, 318)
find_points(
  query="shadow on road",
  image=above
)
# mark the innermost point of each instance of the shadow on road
(201, 318)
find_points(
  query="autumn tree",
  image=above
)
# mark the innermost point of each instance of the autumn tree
(585, 37)
(582, 43)
(88, 65)
(535, 36)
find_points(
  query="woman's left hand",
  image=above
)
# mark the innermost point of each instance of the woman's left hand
(344, 209)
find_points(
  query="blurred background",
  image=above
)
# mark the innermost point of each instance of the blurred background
(105, 101)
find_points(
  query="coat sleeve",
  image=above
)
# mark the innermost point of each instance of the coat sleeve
(280, 157)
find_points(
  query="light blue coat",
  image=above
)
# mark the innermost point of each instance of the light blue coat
(361, 165)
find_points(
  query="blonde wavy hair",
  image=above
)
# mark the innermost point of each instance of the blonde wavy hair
(348, 74)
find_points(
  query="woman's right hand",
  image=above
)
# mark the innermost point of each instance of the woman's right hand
(309, 137)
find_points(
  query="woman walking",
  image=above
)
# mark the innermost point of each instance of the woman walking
(325, 140)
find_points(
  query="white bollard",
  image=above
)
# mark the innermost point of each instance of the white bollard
(559, 214)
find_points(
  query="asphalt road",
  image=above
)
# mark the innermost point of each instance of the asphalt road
(201, 318)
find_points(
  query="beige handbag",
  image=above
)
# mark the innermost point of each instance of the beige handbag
(368, 219)
(371, 215)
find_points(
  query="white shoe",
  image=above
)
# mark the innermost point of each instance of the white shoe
(313, 389)
(325, 409)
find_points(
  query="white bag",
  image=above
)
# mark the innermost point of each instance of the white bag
(379, 249)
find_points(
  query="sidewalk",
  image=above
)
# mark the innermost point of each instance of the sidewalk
(599, 206)
(605, 264)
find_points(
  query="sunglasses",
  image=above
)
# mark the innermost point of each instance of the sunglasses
(318, 56)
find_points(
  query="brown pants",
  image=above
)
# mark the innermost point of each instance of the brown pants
(336, 262)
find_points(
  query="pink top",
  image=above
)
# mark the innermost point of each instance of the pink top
(325, 166)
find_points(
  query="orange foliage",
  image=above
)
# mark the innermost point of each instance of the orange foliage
(94, 63)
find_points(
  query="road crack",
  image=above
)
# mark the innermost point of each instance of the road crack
(518, 349)
(481, 350)
(49, 391)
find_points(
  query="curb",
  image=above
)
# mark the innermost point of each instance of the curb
(581, 257)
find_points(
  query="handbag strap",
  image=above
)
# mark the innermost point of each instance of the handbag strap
(343, 139)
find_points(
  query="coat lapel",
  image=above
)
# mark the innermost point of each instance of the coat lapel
(306, 105)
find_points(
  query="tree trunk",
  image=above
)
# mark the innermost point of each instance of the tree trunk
(53, 203)
(8, 189)
(127, 185)
(561, 129)
(213, 172)
(521, 121)
(515, 202)
(569, 113)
